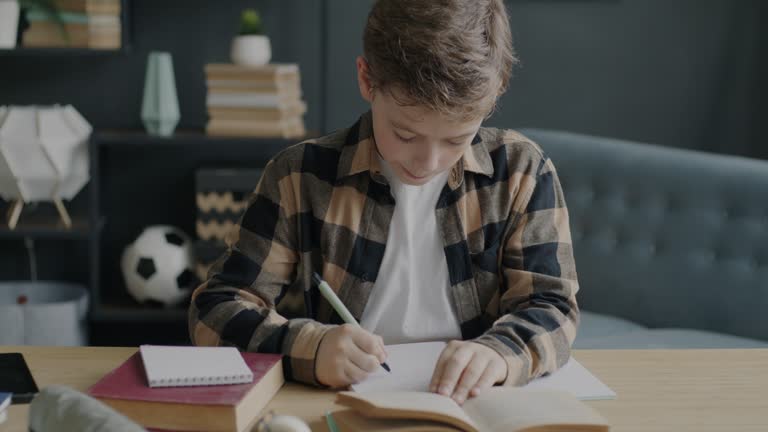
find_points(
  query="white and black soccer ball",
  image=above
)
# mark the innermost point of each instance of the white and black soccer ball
(158, 266)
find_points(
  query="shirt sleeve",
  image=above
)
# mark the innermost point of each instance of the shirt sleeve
(540, 315)
(236, 306)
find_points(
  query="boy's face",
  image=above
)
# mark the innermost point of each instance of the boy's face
(417, 143)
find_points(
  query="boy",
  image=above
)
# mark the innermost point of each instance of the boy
(427, 225)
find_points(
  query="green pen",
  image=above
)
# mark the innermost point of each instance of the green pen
(332, 426)
(337, 305)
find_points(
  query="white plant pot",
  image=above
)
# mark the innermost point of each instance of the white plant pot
(9, 23)
(251, 50)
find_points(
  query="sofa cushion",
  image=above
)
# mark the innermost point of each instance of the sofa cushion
(607, 332)
(595, 326)
(668, 238)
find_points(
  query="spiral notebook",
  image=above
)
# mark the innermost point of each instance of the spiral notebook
(178, 366)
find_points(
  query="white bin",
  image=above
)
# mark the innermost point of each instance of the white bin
(43, 313)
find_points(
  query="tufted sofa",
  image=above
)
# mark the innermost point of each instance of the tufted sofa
(671, 245)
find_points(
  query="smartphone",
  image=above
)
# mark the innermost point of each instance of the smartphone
(16, 378)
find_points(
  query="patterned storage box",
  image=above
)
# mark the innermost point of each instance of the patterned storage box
(221, 196)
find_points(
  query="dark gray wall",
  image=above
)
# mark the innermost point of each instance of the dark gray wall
(684, 73)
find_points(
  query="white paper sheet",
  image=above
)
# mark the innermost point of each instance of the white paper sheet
(412, 366)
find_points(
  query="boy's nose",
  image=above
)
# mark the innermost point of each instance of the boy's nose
(426, 160)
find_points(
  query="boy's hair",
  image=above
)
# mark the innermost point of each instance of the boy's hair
(451, 56)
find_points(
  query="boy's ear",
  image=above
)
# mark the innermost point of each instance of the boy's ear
(363, 79)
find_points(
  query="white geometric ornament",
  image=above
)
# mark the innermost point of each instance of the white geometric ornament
(43, 156)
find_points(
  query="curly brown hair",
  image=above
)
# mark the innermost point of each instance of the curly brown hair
(451, 56)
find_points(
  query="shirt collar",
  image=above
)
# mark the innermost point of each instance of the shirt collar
(359, 154)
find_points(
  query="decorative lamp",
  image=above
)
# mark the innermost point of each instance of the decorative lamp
(43, 157)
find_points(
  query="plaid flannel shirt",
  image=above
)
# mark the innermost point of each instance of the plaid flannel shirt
(323, 205)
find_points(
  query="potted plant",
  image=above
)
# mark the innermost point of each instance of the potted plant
(12, 12)
(251, 46)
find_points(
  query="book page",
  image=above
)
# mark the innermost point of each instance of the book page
(411, 368)
(502, 409)
(413, 364)
(409, 405)
(351, 420)
(574, 379)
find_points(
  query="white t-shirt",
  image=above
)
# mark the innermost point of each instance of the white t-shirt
(410, 300)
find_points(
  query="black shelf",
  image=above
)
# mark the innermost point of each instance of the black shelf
(137, 313)
(37, 227)
(189, 138)
(42, 52)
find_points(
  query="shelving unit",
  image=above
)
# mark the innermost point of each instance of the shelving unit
(139, 180)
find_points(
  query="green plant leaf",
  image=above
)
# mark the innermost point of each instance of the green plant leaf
(250, 22)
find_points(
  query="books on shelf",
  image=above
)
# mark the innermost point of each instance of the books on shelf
(231, 407)
(258, 101)
(95, 7)
(287, 128)
(270, 72)
(256, 113)
(92, 24)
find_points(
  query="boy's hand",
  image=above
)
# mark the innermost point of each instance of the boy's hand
(347, 354)
(466, 368)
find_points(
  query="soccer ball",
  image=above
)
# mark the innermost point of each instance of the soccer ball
(159, 265)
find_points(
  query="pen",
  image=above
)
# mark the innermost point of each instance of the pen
(337, 305)
(332, 426)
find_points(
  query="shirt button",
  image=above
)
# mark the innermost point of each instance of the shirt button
(366, 277)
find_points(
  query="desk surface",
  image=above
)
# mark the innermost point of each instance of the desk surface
(658, 390)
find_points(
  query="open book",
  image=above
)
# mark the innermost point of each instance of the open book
(412, 366)
(499, 409)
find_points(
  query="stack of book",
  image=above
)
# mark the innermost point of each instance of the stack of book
(195, 388)
(91, 24)
(259, 101)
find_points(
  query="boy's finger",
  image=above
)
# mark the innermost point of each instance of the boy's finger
(469, 378)
(440, 366)
(383, 347)
(366, 341)
(365, 361)
(452, 370)
(486, 381)
(354, 373)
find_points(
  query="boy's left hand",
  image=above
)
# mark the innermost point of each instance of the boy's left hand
(465, 368)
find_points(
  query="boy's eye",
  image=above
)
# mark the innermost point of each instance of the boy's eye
(403, 139)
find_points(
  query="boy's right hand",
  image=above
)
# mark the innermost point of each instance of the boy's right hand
(347, 354)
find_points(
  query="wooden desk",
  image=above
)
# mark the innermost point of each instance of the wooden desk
(658, 390)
